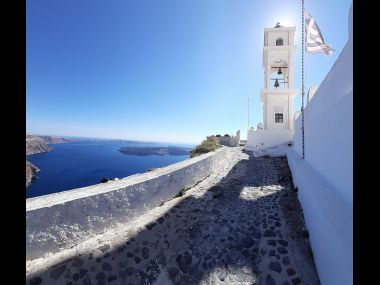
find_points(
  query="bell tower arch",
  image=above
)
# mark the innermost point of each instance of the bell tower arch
(278, 93)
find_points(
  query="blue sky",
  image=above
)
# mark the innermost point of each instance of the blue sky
(164, 70)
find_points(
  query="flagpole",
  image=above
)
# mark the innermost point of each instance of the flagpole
(248, 113)
(303, 80)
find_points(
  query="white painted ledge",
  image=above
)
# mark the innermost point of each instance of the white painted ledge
(59, 221)
(329, 220)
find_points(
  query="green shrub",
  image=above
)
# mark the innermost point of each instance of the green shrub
(210, 144)
(181, 193)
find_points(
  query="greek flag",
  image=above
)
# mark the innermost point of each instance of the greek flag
(314, 40)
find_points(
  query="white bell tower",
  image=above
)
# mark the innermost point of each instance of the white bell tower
(278, 94)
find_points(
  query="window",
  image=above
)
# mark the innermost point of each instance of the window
(279, 42)
(278, 118)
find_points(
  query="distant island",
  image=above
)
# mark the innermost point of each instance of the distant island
(170, 150)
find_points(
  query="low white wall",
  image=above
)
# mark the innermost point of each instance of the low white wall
(329, 141)
(229, 141)
(58, 221)
(329, 220)
(297, 142)
(329, 125)
(325, 178)
(311, 92)
(260, 139)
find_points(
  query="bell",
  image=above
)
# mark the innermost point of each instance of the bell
(276, 84)
(279, 71)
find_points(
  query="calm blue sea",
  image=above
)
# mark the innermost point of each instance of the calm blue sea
(79, 164)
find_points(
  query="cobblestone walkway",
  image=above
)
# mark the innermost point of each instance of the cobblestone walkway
(246, 228)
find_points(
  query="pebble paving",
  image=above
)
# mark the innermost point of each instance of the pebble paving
(245, 228)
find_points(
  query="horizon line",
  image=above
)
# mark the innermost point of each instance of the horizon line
(99, 138)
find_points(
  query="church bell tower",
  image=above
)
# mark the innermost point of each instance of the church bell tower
(278, 94)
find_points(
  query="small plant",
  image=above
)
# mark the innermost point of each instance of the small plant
(218, 135)
(210, 144)
(181, 193)
(227, 135)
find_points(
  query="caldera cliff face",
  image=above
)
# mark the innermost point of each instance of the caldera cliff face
(31, 171)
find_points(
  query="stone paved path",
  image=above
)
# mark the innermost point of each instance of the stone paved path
(240, 227)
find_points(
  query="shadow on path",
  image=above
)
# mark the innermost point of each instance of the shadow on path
(246, 229)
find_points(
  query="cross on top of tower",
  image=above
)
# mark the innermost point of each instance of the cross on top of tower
(278, 25)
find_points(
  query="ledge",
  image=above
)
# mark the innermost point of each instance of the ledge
(59, 221)
(329, 219)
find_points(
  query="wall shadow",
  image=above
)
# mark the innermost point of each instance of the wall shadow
(229, 232)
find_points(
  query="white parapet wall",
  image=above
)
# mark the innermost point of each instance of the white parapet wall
(260, 139)
(329, 125)
(325, 177)
(328, 217)
(59, 221)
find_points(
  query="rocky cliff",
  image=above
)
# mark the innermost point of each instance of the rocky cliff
(36, 144)
(53, 140)
(31, 171)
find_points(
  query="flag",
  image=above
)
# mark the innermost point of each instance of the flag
(314, 40)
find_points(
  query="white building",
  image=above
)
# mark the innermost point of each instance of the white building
(278, 93)
(325, 177)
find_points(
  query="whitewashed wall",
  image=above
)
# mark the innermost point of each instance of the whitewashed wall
(297, 142)
(277, 103)
(268, 138)
(324, 179)
(328, 217)
(329, 125)
(58, 221)
(286, 33)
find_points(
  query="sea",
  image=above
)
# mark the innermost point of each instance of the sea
(78, 164)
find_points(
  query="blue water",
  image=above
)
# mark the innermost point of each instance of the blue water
(80, 164)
